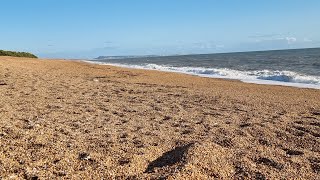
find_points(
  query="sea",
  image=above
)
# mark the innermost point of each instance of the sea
(295, 67)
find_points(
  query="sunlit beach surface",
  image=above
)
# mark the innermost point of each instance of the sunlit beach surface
(70, 119)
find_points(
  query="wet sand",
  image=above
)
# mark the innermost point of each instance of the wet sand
(66, 119)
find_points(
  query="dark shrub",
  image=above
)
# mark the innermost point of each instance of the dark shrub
(17, 54)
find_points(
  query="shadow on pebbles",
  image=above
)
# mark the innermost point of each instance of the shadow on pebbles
(192, 159)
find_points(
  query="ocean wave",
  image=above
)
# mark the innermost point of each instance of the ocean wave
(287, 78)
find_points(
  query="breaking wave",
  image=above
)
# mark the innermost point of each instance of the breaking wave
(287, 78)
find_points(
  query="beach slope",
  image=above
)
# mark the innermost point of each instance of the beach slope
(67, 119)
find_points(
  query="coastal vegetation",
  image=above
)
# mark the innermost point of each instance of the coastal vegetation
(17, 54)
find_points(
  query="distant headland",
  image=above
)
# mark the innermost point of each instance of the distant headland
(17, 54)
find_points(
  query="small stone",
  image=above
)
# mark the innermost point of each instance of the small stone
(84, 156)
(215, 125)
(13, 176)
(124, 135)
(294, 152)
(124, 161)
(60, 173)
(2, 134)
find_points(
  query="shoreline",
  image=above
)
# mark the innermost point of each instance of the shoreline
(71, 119)
(253, 81)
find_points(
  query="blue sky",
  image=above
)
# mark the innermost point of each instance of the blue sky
(89, 28)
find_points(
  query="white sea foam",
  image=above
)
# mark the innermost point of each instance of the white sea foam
(285, 78)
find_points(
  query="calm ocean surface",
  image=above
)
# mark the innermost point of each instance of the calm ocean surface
(300, 68)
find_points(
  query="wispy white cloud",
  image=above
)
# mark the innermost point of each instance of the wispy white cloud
(264, 35)
(307, 40)
(207, 45)
(220, 46)
(291, 40)
(275, 38)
